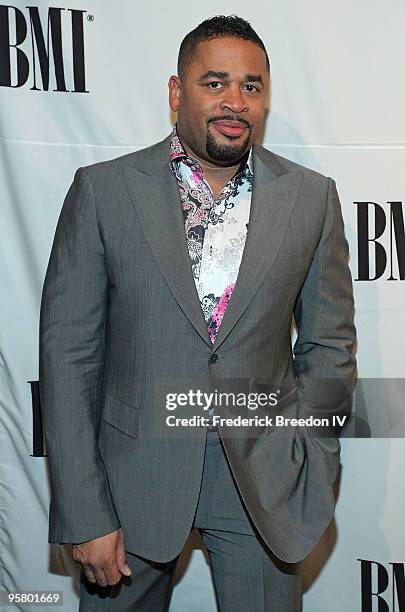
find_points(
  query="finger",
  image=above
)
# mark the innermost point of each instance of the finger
(112, 574)
(89, 573)
(100, 577)
(122, 562)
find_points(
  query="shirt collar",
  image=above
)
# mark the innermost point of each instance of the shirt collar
(178, 153)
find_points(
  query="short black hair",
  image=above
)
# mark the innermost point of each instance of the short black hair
(216, 27)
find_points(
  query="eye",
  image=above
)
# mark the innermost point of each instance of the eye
(212, 85)
(253, 87)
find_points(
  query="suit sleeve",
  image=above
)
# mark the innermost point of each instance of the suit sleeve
(71, 361)
(324, 357)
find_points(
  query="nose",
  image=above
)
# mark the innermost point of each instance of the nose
(233, 100)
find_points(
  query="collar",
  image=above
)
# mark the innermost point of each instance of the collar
(178, 153)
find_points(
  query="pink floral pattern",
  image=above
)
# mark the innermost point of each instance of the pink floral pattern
(218, 312)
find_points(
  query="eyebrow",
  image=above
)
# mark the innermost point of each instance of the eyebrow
(212, 73)
(223, 75)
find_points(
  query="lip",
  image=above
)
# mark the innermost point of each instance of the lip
(229, 128)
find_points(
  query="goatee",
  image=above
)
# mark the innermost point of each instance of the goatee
(224, 153)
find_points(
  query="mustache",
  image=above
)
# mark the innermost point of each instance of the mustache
(230, 118)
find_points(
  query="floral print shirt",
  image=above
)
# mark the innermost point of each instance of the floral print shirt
(215, 228)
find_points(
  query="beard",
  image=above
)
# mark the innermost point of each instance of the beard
(228, 153)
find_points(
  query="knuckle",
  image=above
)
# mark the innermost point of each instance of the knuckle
(79, 559)
(113, 580)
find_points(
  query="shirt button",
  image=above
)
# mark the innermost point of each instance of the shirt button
(214, 358)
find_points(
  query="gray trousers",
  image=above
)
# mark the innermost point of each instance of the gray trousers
(246, 575)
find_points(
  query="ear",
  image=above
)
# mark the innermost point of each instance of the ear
(174, 85)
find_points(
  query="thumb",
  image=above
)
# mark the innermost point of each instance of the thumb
(122, 562)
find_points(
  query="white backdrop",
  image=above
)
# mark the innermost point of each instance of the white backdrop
(337, 103)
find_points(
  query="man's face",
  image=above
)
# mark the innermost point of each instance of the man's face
(220, 101)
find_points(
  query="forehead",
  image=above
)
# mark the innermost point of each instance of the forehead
(229, 54)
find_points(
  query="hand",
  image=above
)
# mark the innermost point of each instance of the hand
(103, 559)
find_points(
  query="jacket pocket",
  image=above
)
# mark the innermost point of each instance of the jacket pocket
(120, 415)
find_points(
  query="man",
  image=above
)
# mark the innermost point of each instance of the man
(187, 261)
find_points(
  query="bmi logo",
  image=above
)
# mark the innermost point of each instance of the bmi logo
(36, 49)
(380, 241)
(382, 588)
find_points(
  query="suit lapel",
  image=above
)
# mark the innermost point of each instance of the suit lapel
(155, 196)
(274, 194)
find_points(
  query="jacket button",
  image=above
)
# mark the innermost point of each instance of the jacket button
(214, 358)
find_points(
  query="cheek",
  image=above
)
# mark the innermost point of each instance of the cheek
(209, 107)
(199, 115)
(256, 118)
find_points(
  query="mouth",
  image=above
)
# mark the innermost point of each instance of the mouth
(230, 128)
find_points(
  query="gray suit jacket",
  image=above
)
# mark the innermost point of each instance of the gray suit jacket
(121, 321)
